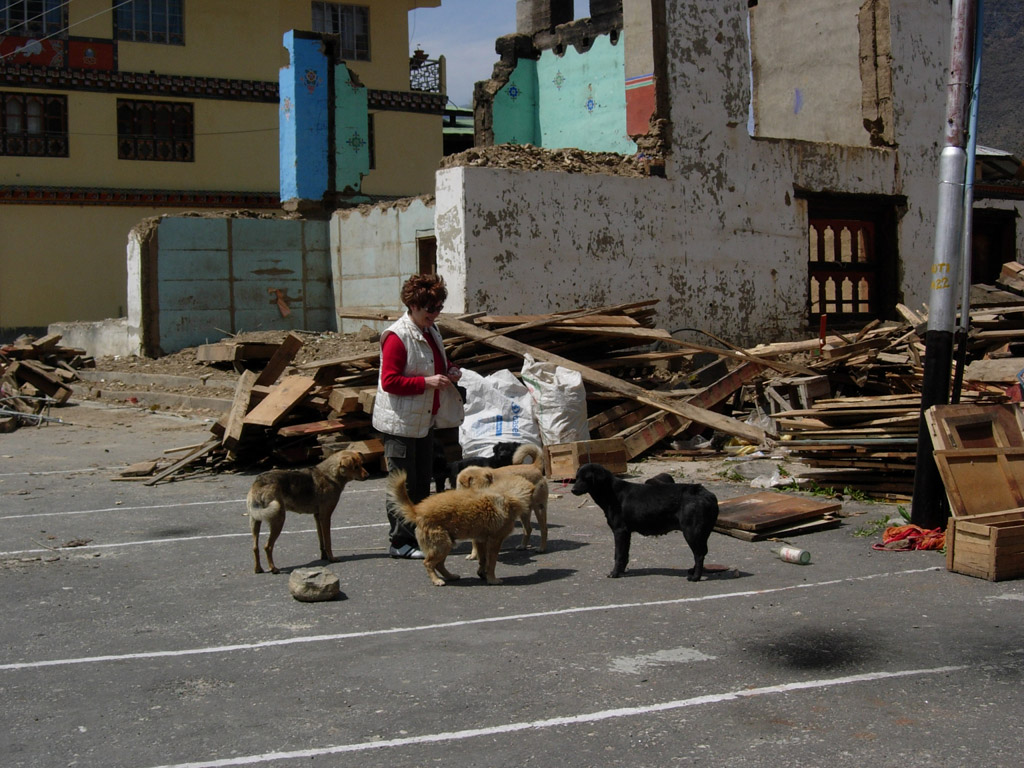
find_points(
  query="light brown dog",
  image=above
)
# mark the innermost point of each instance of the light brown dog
(483, 477)
(486, 517)
(312, 491)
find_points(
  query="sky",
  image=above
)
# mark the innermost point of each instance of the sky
(464, 31)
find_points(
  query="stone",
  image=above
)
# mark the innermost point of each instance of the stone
(312, 585)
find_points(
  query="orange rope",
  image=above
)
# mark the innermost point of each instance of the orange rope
(907, 537)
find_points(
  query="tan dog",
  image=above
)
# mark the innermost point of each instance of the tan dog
(313, 491)
(486, 517)
(483, 477)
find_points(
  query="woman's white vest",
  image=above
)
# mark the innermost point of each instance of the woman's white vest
(408, 415)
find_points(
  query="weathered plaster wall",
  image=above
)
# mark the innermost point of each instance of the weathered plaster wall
(569, 100)
(373, 250)
(201, 277)
(722, 241)
(804, 85)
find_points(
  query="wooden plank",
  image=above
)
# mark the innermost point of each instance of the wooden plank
(768, 509)
(234, 422)
(47, 342)
(198, 453)
(717, 421)
(33, 373)
(282, 356)
(967, 425)
(281, 401)
(324, 427)
(344, 400)
(653, 430)
(233, 351)
(794, 529)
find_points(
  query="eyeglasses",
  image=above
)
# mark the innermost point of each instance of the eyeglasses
(433, 309)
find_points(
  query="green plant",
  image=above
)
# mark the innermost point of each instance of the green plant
(856, 495)
(732, 475)
(903, 512)
(872, 528)
(783, 472)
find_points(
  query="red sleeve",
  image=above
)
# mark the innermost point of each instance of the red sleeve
(392, 364)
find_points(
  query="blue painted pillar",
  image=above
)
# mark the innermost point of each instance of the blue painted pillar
(303, 130)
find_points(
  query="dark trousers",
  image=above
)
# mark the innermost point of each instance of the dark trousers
(415, 456)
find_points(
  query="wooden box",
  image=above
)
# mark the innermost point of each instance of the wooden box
(989, 546)
(564, 459)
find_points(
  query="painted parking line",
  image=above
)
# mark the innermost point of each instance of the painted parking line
(33, 473)
(710, 699)
(124, 657)
(174, 540)
(122, 508)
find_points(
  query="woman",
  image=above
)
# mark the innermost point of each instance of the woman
(415, 392)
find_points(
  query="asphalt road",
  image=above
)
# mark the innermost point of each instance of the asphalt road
(136, 634)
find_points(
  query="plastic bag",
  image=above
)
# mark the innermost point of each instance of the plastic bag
(498, 409)
(560, 400)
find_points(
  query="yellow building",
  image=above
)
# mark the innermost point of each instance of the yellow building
(111, 112)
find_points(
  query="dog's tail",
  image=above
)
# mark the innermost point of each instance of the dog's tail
(260, 511)
(399, 494)
(528, 451)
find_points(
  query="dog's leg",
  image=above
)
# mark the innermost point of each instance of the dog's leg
(542, 520)
(489, 558)
(474, 554)
(700, 550)
(323, 534)
(254, 526)
(622, 538)
(435, 547)
(527, 531)
(276, 526)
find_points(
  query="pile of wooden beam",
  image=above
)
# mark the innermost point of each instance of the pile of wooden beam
(34, 375)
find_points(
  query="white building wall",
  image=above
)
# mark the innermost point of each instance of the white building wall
(373, 251)
(722, 241)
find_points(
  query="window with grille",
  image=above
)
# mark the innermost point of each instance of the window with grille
(842, 268)
(34, 18)
(33, 125)
(351, 23)
(155, 130)
(150, 21)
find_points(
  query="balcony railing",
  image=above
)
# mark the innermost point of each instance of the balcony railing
(425, 74)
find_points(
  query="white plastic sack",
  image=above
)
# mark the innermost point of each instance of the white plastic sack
(499, 409)
(560, 400)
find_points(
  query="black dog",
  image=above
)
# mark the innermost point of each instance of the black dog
(502, 455)
(439, 467)
(650, 509)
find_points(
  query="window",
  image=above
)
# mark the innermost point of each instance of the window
(150, 21)
(33, 125)
(34, 18)
(351, 23)
(154, 130)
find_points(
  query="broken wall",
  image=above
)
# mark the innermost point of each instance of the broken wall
(374, 248)
(195, 279)
(722, 241)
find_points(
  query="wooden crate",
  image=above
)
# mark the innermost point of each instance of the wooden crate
(564, 459)
(989, 546)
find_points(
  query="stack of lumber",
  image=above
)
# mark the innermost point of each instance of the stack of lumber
(34, 375)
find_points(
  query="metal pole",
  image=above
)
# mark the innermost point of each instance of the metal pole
(966, 244)
(930, 508)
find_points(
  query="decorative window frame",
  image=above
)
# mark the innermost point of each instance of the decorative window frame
(33, 124)
(159, 131)
(41, 18)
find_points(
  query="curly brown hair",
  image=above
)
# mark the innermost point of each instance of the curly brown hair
(424, 291)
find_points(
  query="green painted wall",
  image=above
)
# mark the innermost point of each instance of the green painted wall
(574, 100)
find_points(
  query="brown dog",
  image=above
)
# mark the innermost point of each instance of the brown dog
(486, 517)
(483, 477)
(313, 491)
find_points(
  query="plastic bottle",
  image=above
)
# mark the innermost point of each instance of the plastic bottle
(794, 555)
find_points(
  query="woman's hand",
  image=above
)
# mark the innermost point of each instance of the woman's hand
(437, 381)
(454, 374)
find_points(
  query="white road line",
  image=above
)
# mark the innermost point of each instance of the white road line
(176, 540)
(348, 493)
(30, 473)
(586, 717)
(447, 625)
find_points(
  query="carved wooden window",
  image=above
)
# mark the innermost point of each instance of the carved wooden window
(155, 130)
(843, 270)
(33, 125)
